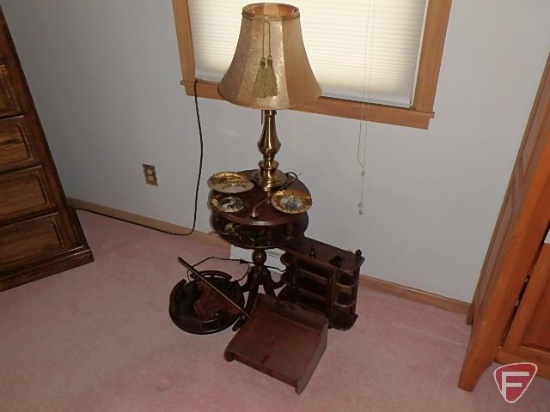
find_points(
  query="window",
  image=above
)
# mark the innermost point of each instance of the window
(383, 52)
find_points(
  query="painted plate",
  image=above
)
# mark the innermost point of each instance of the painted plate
(229, 182)
(291, 201)
(228, 204)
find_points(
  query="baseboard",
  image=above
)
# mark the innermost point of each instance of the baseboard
(210, 239)
(401, 291)
(405, 292)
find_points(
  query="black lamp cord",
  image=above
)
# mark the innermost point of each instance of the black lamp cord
(201, 156)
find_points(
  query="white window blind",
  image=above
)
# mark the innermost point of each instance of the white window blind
(364, 50)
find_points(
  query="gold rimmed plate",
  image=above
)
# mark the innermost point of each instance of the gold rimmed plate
(291, 201)
(228, 204)
(229, 182)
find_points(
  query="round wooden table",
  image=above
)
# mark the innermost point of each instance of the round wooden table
(258, 226)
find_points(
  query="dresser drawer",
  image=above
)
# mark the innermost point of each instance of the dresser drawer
(34, 239)
(23, 192)
(9, 105)
(16, 149)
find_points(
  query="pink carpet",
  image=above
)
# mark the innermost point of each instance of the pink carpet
(99, 339)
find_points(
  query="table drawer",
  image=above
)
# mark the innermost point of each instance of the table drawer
(33, 239)
(16, 149)
(23, 192)
(9, 106)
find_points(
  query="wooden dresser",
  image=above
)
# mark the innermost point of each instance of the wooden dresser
(39, 234)
(510, 313)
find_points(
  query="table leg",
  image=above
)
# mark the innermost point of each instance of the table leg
(258, 276)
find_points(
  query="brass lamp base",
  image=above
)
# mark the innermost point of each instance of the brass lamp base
(268, 176)
(269, 180)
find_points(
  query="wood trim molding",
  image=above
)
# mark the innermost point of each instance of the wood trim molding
(395, 289)
(417, 295)
(435, 31)
(185, 43)
(170, 228)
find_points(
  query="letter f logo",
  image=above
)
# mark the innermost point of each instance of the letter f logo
(514, 379)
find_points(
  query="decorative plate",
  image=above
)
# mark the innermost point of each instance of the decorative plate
(291, 201)
(229, 182)
(228, 204)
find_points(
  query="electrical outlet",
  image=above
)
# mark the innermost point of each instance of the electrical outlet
(150, 173)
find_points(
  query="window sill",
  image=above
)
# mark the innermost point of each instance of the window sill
(337, 107)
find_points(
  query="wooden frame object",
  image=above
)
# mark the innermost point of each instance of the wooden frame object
(39, 234)
(508, 285)
(282, 340)
(418, 116)
(322, 278)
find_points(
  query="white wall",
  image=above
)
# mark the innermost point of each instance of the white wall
(105, 77)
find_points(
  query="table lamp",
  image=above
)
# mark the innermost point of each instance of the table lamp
(269, 71)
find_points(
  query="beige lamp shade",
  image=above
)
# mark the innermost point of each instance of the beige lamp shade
(270, 69)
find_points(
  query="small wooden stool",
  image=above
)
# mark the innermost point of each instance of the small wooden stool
(283, 341)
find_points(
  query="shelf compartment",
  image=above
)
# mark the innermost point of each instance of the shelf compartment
(345, 300)
(313, 287)
(324, 279)
(312, 304)
(348, 281)
(314, 277)
(302, 292)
